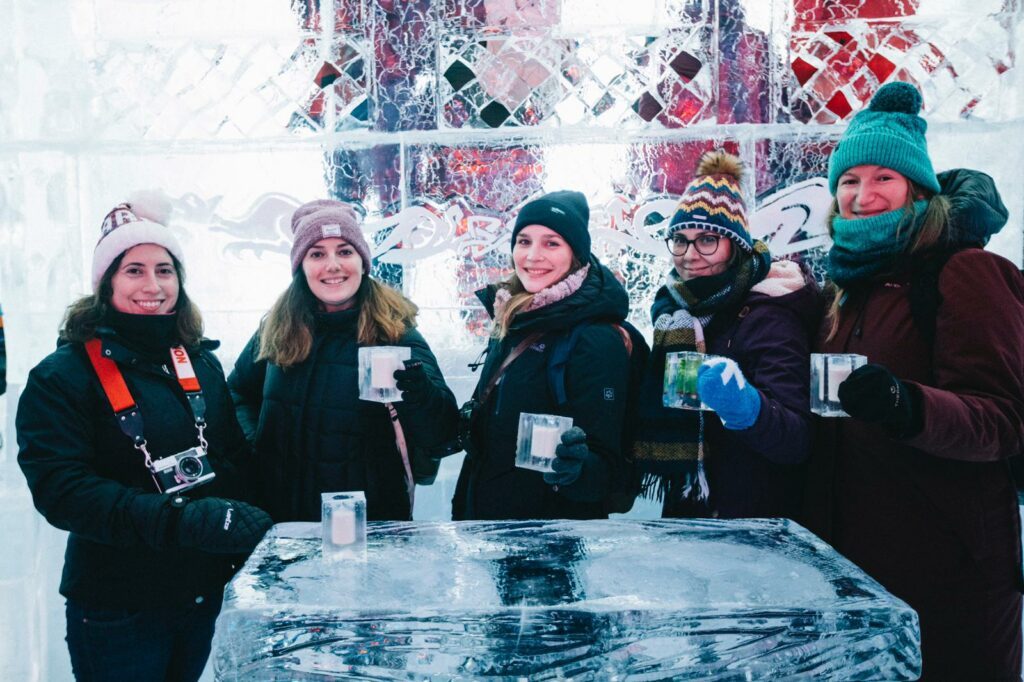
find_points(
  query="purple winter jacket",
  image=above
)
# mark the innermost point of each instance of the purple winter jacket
(758, 472)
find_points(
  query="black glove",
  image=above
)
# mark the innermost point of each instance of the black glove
(413, 382)
(220, 526)
(580, 474)
(873, 394)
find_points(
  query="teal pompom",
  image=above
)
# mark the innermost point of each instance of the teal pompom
(898, 97)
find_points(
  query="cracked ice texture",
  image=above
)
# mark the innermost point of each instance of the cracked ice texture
(958, 55)
(563, 599)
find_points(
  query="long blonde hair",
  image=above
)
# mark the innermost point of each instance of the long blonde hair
(520, 300)
(934, 232)
(87, 313)
(286, 334)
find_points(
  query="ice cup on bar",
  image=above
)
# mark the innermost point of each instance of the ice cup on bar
(377, 365)
(680, 385)
(343, 525)
(828, 370)
(539, 435)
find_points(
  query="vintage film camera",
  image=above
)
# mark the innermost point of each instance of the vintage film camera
(183, 471)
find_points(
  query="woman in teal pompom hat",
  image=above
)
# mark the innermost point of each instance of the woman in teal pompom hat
(915, 487)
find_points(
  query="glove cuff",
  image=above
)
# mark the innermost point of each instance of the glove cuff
(592, 484)
(911, 420)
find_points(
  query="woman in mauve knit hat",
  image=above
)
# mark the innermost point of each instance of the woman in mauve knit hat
(296, 383)
(915, 485)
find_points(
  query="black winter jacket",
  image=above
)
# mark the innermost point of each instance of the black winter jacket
(86, 477)
(490, 487)
(313, 434)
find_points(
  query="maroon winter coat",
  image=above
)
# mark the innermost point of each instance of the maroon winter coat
(934, 518)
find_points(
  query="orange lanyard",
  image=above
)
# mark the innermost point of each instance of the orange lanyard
(126, 411)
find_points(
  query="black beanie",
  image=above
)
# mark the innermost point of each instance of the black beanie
(566, 212)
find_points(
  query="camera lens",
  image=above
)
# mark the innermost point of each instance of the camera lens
(190, 467)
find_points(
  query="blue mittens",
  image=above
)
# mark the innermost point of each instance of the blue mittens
(722, 387)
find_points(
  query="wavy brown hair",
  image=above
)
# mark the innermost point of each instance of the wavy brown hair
(286, 333)
(520, 300)
(933, 233)
(87, 313)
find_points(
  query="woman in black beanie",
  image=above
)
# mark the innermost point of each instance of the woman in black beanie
(558, 291)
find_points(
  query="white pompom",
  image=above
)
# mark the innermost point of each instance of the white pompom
(152, 205)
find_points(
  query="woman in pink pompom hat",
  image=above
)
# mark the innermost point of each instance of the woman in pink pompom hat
(128, 440)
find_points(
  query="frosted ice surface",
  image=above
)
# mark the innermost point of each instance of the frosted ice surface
(599, 600)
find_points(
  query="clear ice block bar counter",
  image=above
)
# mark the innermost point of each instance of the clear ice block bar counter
(596, 600)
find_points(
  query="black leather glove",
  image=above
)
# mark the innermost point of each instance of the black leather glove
(414, 383)
(873, 394)
(220, 526)
(580, 474)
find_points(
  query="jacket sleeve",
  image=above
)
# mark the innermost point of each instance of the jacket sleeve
(430, 427)
(246, 385)
(975, 409)
(777, 364)
(596, 384)
(56, 431)
(238, 479)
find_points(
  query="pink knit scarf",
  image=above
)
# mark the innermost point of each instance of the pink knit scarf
(556, 292)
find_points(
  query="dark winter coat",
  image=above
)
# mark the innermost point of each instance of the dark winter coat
(758, 472)
(86, 477)
(934, 517)
(313, 434)
(490, 486)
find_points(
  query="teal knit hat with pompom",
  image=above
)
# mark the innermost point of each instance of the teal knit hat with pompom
(888, 133)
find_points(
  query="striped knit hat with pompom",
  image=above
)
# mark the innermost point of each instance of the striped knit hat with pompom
(713, 202)
(140, 220)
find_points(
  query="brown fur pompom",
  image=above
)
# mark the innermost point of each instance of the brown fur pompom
(720, 162)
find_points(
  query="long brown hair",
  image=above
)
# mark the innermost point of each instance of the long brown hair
(520, 300)
(933, 233)
(286, 334)
(87, 313)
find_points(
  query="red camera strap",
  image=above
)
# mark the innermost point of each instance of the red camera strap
(113, 381)
(110, 377)
(126, 411)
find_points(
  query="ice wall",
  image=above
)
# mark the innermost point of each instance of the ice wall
(441, 118)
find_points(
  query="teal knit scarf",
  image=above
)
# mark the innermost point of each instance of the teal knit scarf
(866, 247)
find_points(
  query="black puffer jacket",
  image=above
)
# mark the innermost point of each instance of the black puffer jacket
(313, 434)
(86, 476)
(490, 486)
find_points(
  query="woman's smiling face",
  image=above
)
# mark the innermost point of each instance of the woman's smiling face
(146, 282)
(333, 272)
(542, 257)
(866, 191)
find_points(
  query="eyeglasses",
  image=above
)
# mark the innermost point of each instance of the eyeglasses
(706, 244)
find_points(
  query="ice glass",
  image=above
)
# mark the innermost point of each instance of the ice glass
(680, 386)
(343, 525)
(539, 435)
(828, 370)
(377, 365)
